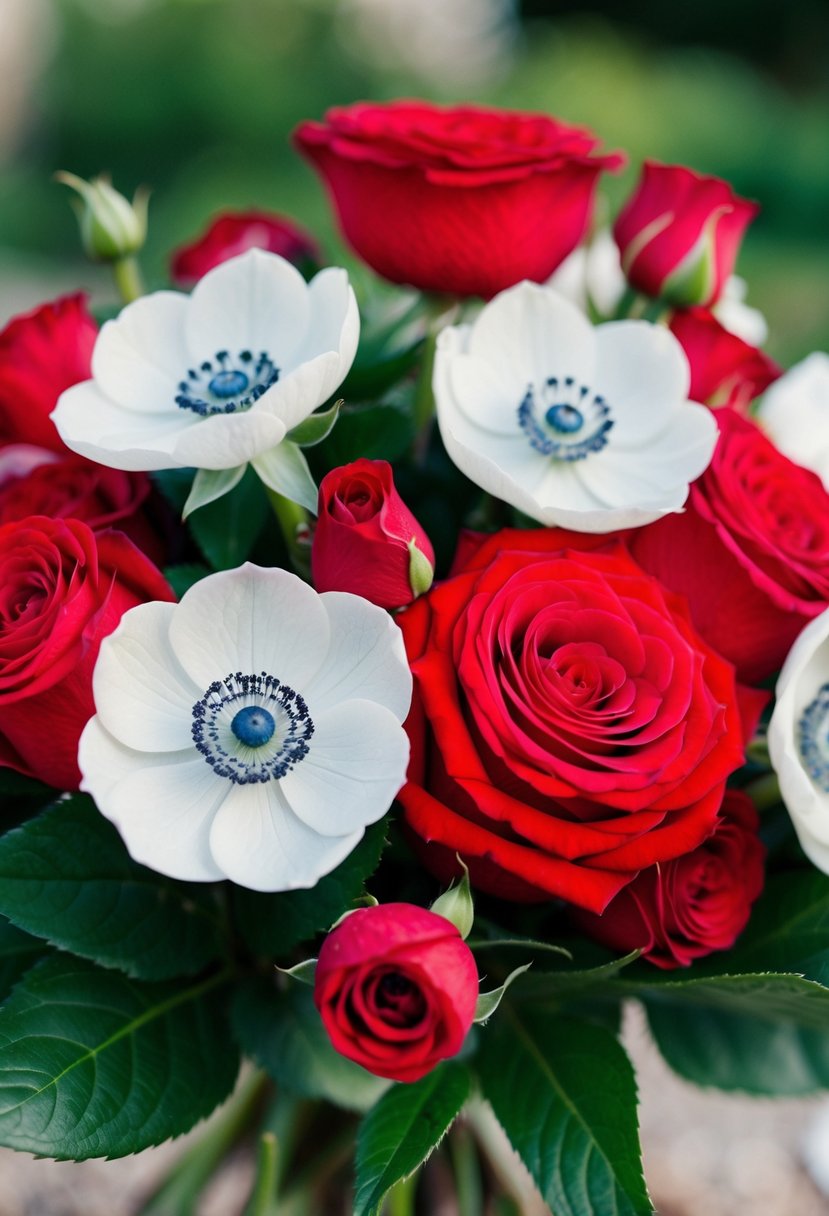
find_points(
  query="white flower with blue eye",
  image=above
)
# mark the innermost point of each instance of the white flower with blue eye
(251, 731)
(581, 427)
(219, 378)
(799, 739)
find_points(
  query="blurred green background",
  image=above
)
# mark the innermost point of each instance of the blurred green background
(197, 99)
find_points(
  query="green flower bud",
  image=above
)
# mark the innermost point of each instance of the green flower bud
(112, 228)
(421, 570)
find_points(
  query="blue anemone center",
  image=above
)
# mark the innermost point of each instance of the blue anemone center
(565, 418)
(253, 726)
(813, 738)
(228, 384)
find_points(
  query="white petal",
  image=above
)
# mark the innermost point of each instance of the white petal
(297, 394)
(250, 620)
(258, 842)
(366, 657)
(93, 426)
(642, 372)
(530, 332)
(795, 412)
(481, 396)
(162, 805)
(257, 301)
(143, 696)
(227, 440)
(140, 356)
(284, 469)
(355, 765)
(334, 324)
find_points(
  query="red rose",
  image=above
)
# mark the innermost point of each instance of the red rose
(367, 541)
(463, 200)
(750, 552)
(396, 987)
(235, 232)
(41, 354)
(679, 234)
(64, 588)
(725, 370)
(569, 726)
(72, 487)
(684, 909)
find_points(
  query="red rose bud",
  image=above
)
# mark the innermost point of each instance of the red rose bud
(464, 200)
(396, 987)
(686, 908)
(76, 586)
(725, 370)
(234, 232)
(42, 353)
(750, 552)
(679, 234)
(367, 541)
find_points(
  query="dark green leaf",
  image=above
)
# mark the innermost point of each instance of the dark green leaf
(561, 982)
(379, 432)
(93, 1064)
(565, 1094)
(18, 951)
(15, 785)
(67, 877)
(181, 578)
(761, 1034)
(227, 530)
(175, 485)
(273, 924)
(283, 1032)
(402, 1130)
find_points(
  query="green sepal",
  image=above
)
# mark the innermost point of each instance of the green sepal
(210, 485)
(421, 570)
(488, 1002)
(315, 427)
(456, 905)
(303, 972)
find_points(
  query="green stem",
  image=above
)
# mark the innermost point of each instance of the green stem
(294, 524)
(628, 305)
(263, 1198)
(444, 312)
(467, 1171)
(128, 279)
(178, 1194)
(400, 1201)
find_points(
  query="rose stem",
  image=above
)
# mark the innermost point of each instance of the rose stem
(179, 1192)
(128, 279)
(467, 1171)
(401, 1197)
(263, 1197)
(293, 523)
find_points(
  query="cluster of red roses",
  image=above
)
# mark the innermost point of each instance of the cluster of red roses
(581, 701)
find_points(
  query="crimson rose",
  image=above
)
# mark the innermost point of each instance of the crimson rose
(396, 987)
(235, 232)
(725, 370)
(62, 589)
(679, 234)
(750, 552)
(569, 725)
(42, 353)
(366, 540)
(463, 200)
(684, 909)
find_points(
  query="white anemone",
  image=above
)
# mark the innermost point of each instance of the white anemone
(219, 378)
(582, 427)
(251, 731)
(799, 739)
(795, 412)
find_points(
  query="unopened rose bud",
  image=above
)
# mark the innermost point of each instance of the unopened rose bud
(112, 228)
(234, 232)
(679, 234)
(367, 541)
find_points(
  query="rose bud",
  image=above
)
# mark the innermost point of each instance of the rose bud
(396, 987)
(679, 234)
(725, 370)
(112, 228)
(234, 232)
(42, 353)
(74, 586)
(684, 909)
(463, 200)
(367, 541)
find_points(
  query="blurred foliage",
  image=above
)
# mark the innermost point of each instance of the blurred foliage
(197, 99)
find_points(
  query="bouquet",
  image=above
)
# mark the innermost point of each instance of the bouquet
(387, 681)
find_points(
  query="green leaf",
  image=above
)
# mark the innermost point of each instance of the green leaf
(182, 577)
(402, 1130)
(283, 1033)
(565, 1094)
(273, 924)
(209, 485)
(227, 530)
(18, 951)
(316, 427)
(561, 984)
(16, 785)
(760, 1034)
(67, 877)
(379, 432)
(93, 1064)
